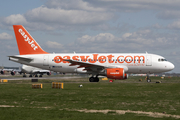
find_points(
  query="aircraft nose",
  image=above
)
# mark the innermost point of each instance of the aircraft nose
(170, 66)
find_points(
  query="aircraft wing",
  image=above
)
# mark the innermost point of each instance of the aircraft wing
(40, 71)
(87, 66)
(93, 66)
(7, 69)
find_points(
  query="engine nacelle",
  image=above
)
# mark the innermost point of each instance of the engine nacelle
(13, 73)
(116, 73)
(126, 76)
(48, 73)
(2, 72)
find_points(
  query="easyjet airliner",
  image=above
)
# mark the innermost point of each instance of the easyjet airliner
(112, 65)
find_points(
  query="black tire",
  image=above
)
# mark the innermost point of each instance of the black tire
(91, 79)
(96, 79)
(30, 75)
(24, 75)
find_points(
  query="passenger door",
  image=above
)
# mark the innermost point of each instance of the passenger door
(46, 60)
(148, 60)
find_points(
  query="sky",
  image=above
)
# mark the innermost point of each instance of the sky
(94, 26)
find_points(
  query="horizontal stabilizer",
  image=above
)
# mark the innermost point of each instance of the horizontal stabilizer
(17, 58)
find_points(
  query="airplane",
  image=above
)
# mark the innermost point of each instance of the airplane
(112, 65)
(33, 71)
(25, 69)
(12, 71)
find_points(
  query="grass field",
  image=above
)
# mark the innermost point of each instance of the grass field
(126, 100)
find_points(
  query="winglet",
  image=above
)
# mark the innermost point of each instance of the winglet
(26, 43)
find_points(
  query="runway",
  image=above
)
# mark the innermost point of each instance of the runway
(77, 78)
(29, 78)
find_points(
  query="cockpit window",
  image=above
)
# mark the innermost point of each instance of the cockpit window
(161, 59)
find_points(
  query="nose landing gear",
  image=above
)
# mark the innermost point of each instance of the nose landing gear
(148, 79)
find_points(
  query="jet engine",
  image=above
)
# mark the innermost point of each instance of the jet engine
(13, 72)
(48, 73)
(2, 72)
(116, 73)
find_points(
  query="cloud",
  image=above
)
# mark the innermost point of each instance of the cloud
(148, 40)
(49, 18)
(164, 9)
(169, 14)
(174, 25)
(100, 38)
(62, 16)
(142, 40)
(126, 35)
(80, 15)
(5, 36)
(54, 45)
(73, 5)
(157, 26)
(136, 4)
(15, 19)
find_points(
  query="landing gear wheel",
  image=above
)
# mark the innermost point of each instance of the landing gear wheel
(24, 75)
(36, 75)
(91, 79)
(30, 75)
(96, 79)
(40, 75)
(148, 80)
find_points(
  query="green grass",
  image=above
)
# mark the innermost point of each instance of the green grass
(48, 103)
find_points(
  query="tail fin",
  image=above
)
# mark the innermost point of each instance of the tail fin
(26, 43)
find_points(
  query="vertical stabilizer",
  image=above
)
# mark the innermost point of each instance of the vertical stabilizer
(26, 43)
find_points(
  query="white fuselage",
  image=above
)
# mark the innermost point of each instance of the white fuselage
(132, 63)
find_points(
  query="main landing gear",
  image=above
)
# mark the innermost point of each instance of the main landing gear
(93, 79)
(24, 75)
(30, 75)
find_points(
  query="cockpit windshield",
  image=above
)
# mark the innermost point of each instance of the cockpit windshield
(161, 59)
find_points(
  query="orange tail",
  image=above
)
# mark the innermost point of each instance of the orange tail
(26, 43)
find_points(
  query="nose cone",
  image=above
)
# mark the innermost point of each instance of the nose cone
(170, 66)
